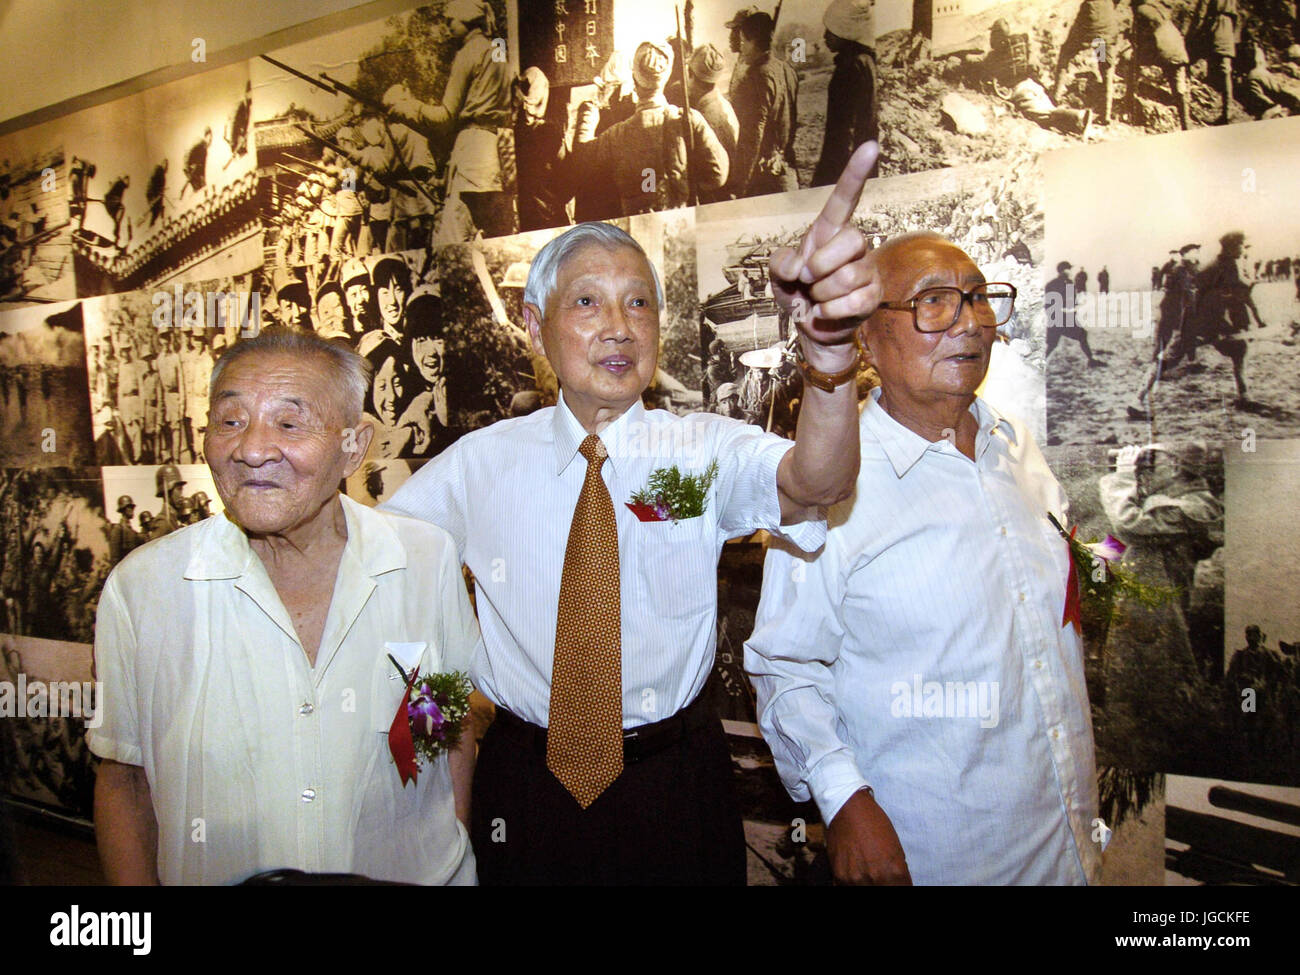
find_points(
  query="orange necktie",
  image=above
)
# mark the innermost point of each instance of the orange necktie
(584, 743)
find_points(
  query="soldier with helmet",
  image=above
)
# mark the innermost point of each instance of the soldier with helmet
(169, 484)
(122, 538)
(202, 505)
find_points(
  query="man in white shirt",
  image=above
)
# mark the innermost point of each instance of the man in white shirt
(248, 692)
(635, 785)
(915, 678)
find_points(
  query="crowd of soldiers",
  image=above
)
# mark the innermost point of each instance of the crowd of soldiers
(176, 510)
(49, 577)
(150, 398)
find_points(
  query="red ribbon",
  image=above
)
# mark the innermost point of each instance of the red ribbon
(400, 742)
(1072, 598)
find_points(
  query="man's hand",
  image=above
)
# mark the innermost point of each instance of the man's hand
(826, 283)
(862, 845)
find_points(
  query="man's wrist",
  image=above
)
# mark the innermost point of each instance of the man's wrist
(829, 358)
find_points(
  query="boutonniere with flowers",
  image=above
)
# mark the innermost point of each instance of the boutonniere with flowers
(428, 719)
(1107, 580)
(670, 495)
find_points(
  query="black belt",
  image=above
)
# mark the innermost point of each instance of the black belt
(638, 743)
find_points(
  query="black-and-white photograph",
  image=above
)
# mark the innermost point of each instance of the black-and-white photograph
(150, 361)
(984, 79)
(1261, 617)
(1166, 694)
(1168, 318)
(378, 479)
(44, 406)
(391, 136)
(779, 98)
(992, 213)
(164, 185)
(147, 502)
(35, 219)
(55, 555)
(1230, 833)
(45, 762)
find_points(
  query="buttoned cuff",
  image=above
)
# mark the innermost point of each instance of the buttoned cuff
(808, 535)
(835, 779)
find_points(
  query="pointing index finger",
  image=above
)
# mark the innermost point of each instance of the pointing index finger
(848, 191)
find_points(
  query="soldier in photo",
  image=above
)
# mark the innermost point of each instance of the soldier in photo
(615, 102)
(662, 157)
(80, 173)
(197, 363)
(122, 538)
(196, 164)
(1061, 323)
(540, 151)
(733, 42)
(476, 105)
(427, 415)
(130, 402)
(329, 315)
(169, 485)
(1158, 41)
(202, 505)
(766, 107)
(173, 388)
(359, 296)
(707, 66)
(1095, 33)
(851, 113)
(1214, 39)
(151, 401)
(293, 302)
(1269, 94)
(236, 134)
(116, 210)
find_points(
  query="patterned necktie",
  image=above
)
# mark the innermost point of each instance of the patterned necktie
(584, 743)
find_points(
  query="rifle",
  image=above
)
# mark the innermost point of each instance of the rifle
(776, 15)
(686, 114)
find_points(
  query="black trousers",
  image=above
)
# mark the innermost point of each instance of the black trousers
(670, 819)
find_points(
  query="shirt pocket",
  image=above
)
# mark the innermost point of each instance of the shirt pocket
(387, 687)
(678, 566)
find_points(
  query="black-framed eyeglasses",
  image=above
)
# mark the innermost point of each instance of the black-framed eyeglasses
(937, 309)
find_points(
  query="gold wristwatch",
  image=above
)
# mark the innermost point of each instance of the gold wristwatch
(827, 381)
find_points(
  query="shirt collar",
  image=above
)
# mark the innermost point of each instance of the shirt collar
(904, 447)
(569, 433)
(654, 101)
(223, 551)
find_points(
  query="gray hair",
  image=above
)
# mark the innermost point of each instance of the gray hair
(352, 370)
(545, 269)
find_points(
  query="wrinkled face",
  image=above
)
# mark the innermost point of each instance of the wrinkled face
(427, 355)
(330, 312)
(392, 301)
(917, 366)
(275, 441)
(358, 296)
(601, 331)
(387, 391)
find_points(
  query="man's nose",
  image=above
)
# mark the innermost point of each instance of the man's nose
(966, 320)
(614, 324)
(258, 444)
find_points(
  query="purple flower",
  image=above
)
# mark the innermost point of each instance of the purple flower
(1111, 549)
(661, 510)
(425, 715)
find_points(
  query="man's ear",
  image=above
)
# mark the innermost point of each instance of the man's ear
(864, 342)
(533, 322)
(356, 441)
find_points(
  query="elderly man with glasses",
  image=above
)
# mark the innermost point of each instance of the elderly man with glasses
(916, 678)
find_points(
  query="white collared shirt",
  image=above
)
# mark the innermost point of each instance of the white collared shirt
(506, 494)
(923, 653)
(255, 759)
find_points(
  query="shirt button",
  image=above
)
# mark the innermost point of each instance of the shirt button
(1022, 597)
(308, 795)
(305, 708)
(1038, 665)
(1003, 529)
(1056, 733)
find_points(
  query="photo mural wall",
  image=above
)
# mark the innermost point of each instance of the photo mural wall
(1130, 167)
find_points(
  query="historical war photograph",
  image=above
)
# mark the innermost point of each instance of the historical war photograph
(47, 697)
(1165, 680)
(149, 357)
(390, 136)
(173, 199)
(983, 79)
(1231, 833)
(55, 553)
(35, 219)
(44, 408)
(147, 502)
(651, 106)
(991, 213)
(1188, 328)
(1261, 618)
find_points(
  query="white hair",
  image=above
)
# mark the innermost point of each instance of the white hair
(545, 269)
(352, 370)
